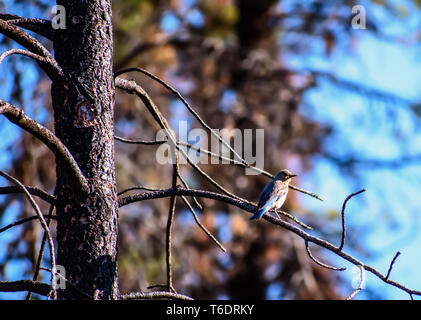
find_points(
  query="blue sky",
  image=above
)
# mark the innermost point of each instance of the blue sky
(390, 206)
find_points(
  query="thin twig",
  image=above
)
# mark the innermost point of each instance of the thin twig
(23, 38)
(133, 88)
(42, 247)
(138, 188)
(32, 190)
(22, 221)
(196, 201)
(26, 40)
(202, 226)
(290, 216)
(154, 295)
(23, 52)
(181, 98)
(170, 222)
(320, 263)
(305, 192)
(392, 263)
(43, 224)
(40, 26)
(41, 288)
(273, 220)
(241, 164)
(343, 217)
(69, 282)
(18, 117)
(153, 142)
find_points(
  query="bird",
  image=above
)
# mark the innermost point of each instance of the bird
(274, 194)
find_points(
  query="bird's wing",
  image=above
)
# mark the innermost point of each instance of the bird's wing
(266, 195)
(282, 190)
(273, 193)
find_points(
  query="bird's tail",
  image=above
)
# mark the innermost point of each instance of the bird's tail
(259, 214)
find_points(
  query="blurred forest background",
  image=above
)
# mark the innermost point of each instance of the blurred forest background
(339, 107)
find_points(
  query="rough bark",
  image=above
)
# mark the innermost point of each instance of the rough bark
(83, 113)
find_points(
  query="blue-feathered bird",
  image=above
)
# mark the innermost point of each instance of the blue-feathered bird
(274, 194)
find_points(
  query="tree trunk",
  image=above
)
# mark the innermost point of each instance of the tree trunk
(83, 113)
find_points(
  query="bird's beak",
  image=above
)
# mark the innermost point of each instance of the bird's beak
(292, 175)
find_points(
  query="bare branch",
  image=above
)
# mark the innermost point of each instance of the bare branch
(25, 285)
(69, 282)
(23, 38)
(202, 226)
(24, 53)
(154, 143)
(140, 141)
(275, 221)
(22, 221)
(343, 216)
(169, 227)
(154, 295)
(133, 88)
(40, 26)
(197, 203)
(192, 111)
(43, 224)
(290, 216)
(18, 117)
(321, 263)
(32, 190)
(138, 188)
(42, 248)
(34, 46)
(392, 263)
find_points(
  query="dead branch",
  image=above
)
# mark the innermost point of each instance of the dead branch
(18, 117)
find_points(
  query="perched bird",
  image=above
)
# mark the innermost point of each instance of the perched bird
(274, 194)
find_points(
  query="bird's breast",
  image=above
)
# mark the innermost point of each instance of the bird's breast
(280, 201)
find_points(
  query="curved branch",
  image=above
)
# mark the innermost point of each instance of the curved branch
(201, 226)
(42, 247)
(343, 216)
(18, 117)
(154, 295)
(39, 26)
(320, 263)
(140, 141)
(24, 220)
(192, 111)
(133, 88)
(24, 53)
(43, 224)
(392, 263)
(23, 38)
(275, 221)
(34, 46)
(32, 190)
(25, 285)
